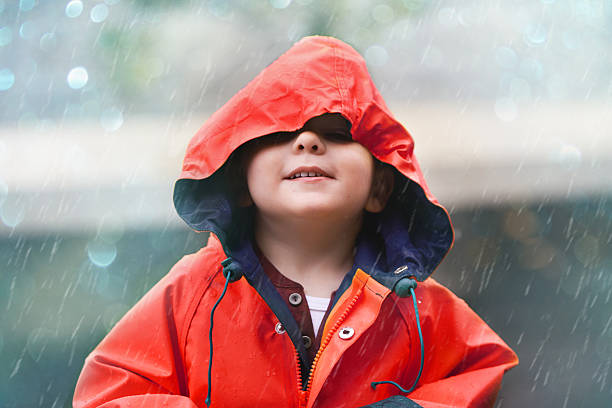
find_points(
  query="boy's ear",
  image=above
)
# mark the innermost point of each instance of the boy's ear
(382, 187)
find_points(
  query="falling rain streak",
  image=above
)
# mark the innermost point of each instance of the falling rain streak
(508, 104)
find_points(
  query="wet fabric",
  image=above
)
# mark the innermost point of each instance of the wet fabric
(158, 353)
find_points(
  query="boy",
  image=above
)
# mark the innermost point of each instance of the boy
(321, 224)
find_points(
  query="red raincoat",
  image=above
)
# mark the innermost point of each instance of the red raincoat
(159, 353)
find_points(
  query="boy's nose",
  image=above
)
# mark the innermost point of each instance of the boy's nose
(309, 141)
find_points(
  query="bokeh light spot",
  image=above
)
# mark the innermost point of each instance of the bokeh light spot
(535, 35)
(26, 5)
(74, 8)
(7, 79)
(99, 13)
(77, 77)
(6, 36)
(414, 5)
(376, 55)
(101, 253)
(506, 57)
(27, 30)
(446, 17)
(531, 68)
(567, 156)
(111, 119)
(3, 192)
(48, 42)
(520, 90)
(219, 8)
(505, 109)
(11, 214)
(383, 14)
(280, 4)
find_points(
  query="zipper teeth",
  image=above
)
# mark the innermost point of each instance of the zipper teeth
(328, 338)
(299, 375)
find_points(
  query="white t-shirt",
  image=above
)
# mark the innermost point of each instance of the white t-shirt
(317, 306)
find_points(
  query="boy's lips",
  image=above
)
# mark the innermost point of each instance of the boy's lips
(307, 171)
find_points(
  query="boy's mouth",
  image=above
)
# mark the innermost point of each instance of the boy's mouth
(310, 171)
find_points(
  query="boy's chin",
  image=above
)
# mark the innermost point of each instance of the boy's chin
(314, 212)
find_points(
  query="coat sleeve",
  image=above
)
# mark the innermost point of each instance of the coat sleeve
(140, 363)
(464, 358)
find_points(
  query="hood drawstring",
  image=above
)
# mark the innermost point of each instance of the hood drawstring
(404, 288)
(232, 273)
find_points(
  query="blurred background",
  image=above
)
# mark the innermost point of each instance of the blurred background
(509, 103)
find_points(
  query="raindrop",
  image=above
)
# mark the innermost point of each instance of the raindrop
(28, 120)
(506, 57)
(77, 77)
(383, 14)
(376, 55)
(27, 30)
(586, 249)
(111, 228)
(7, 79)
(74, 8)
(48, 42)
(113, 313)
(280, 4)
(111, 119)
(6, 36)
(432, 57)
(506, 109)
(99, 13)
(535, 35)
(11, 214)
(26, 5)
(73, 111)
(101, 253)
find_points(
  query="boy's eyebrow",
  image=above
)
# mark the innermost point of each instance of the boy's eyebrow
(334, 122)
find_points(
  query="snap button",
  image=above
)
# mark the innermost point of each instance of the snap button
(307, 341)
(346, 333)
(295, 299)
(279, 328)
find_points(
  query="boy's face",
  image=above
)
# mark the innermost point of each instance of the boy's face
(315, 172)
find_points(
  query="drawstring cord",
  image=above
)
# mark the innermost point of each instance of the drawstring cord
(401, 289)
(232, 274)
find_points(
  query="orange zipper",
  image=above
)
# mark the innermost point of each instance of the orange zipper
(304, 395)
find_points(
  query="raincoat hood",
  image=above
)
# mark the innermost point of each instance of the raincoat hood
(317, 75)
